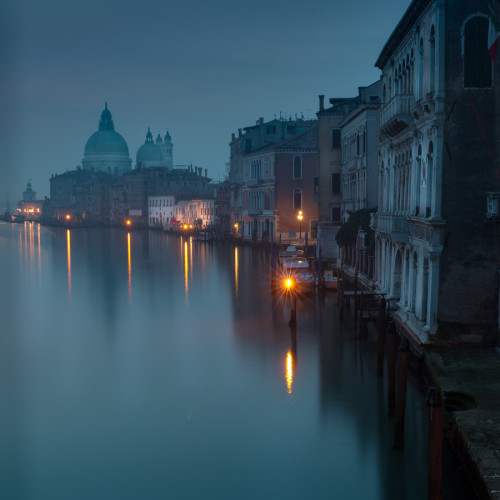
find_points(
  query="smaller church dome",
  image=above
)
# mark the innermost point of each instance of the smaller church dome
(159, 140)
(149, 154)
(167, 137)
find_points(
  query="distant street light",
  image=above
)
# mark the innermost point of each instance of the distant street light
(300, 217)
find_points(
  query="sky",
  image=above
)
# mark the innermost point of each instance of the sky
(199, 69)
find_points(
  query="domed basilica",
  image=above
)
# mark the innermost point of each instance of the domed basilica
(106, 150)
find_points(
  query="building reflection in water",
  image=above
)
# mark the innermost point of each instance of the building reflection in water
(68, 239)
(129, 259)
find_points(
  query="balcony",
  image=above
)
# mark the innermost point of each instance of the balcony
(395, 225)
(252, 212)
(396, 114)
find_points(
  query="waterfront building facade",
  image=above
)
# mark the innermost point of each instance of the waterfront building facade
(29, 206)
(279, 181)
(160, 211)
(330, 170)
(249, 142)
(359, 168)
(435, 251)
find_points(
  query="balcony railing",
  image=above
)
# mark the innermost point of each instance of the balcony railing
(395, 225)
(396, 114)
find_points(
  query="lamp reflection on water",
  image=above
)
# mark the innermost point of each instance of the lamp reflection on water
(186, 271)
(289, 371)
(68, 238)
(129, 257)
(236, 270)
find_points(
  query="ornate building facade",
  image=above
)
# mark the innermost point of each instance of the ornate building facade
(435, 254)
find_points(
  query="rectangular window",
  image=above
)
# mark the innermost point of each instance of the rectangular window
(297, 167)
(316, 184)
(248, 145)
(335, 184)
(335, 138)
(335, 214)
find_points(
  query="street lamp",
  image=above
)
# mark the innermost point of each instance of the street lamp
(300, 217)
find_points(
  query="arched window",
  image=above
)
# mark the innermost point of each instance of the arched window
(477, 62)
(297, 199)
(297, 167)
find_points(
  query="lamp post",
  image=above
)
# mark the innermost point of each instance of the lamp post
(300, 217)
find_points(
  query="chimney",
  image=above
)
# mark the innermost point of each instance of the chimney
(261, 121)
(239, 132)
(206, 172)
(233, 136)
(321, 102)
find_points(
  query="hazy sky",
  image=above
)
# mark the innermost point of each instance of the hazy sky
(200, 69)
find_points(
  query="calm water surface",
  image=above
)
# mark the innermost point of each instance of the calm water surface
(145, 366)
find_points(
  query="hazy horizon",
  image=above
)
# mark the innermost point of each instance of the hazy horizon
(200, 70)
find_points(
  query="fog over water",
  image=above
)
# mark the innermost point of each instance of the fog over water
(143, 365)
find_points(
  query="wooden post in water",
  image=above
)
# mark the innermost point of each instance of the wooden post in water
(391, 341)
(401, 383)
(435, 443)
(293, 311)
(380, 337)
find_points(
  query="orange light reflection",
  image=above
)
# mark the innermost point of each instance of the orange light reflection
(236, 270)
(129, 259)
(186, 271)
(68, 238)
(289, 371)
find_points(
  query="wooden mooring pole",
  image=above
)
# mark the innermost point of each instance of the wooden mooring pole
(391, 341)
(435, 443)
(401, 385)
(293, 311)
(381, 325)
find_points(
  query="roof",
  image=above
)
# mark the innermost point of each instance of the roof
(404, 26)
(306, 141)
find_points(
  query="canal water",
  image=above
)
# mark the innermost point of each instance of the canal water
(147, 366)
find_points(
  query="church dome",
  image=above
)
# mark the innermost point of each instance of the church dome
(159, 140)
(106, 140)
(149, 154)
(106, 150)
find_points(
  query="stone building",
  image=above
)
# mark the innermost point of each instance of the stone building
(435, 250)
(359, 168)
(359, 180)
(330, 170)
(29, 206)
(250, 140)
(278, 181)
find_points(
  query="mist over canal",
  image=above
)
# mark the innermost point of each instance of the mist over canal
(143, 365)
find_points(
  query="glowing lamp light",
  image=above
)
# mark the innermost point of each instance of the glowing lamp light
(68, 217)
(185, 226)
(128, 222)
(288, 283)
